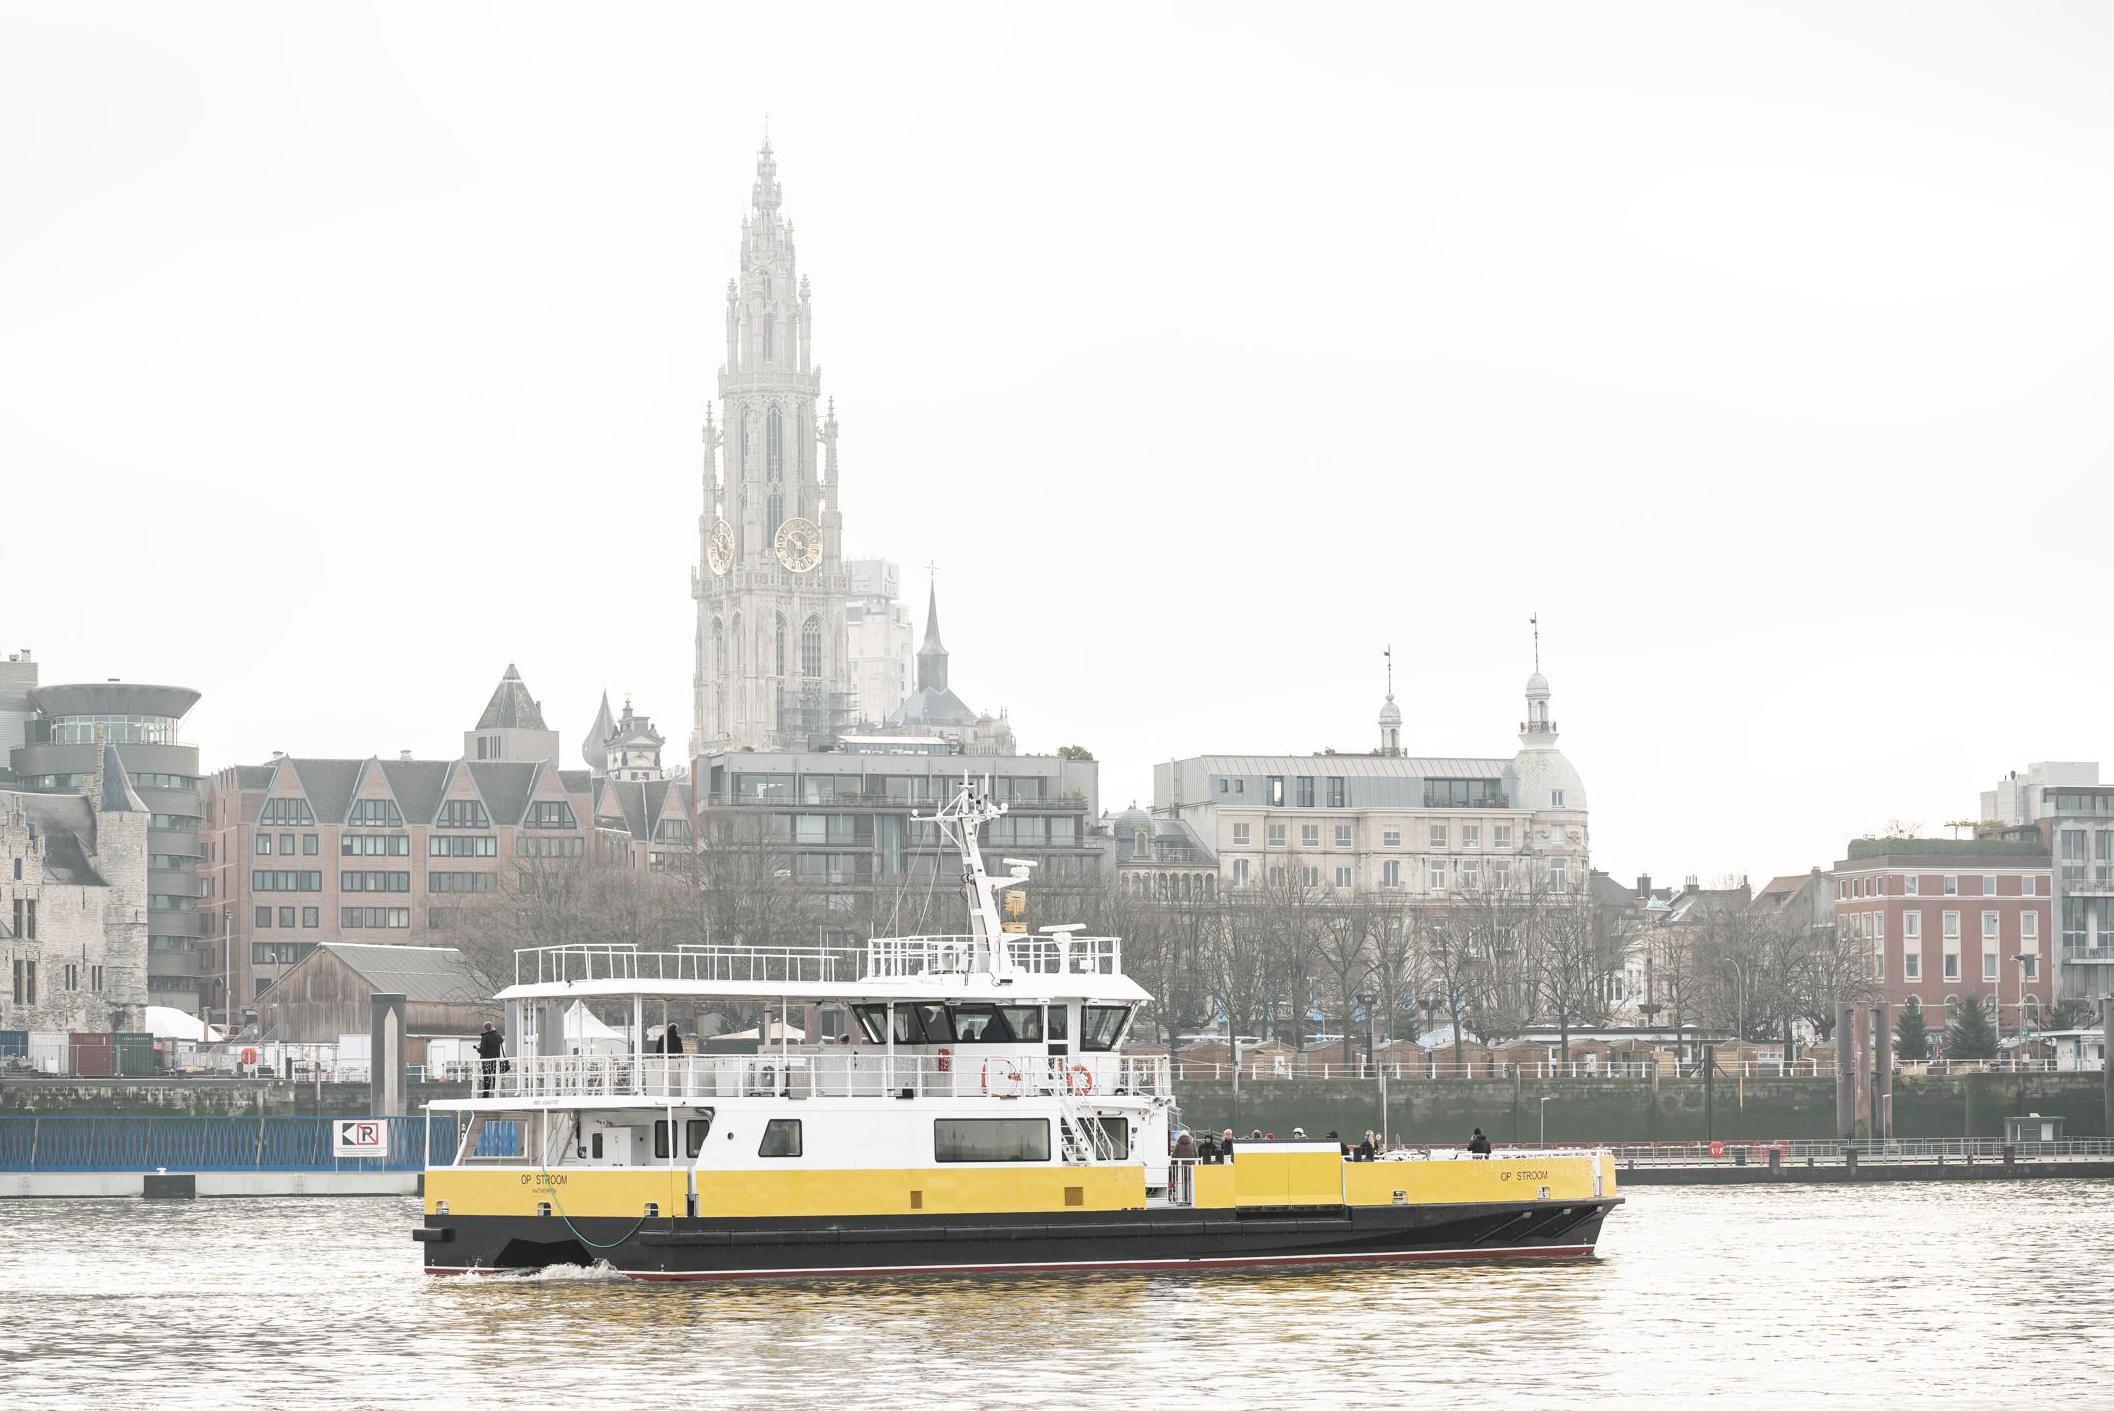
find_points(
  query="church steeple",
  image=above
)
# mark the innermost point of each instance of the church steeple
(765, 196)
(1390, 713)
(932, 656)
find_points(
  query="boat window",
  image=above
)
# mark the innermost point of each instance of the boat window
(494, 1139)
(1025, 1020)
(980, 1024)
(781, 1137)
(1115, 1136)
(908, 1030)
(938, 1029)
(1102, 1027)
(694, 1132)
(594, 1146)
(660, 1140)
(991, 1139)
(873, 1018)
(1060, 1023)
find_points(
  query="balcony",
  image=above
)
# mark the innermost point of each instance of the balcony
(2087, 881)
(837, 1072)
(2085, 953)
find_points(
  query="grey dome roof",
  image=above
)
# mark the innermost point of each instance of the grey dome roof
(1537, 685)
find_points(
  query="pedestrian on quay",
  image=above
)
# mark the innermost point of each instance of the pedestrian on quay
(490, 1044)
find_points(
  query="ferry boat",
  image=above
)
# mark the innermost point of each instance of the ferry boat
(981, 1117)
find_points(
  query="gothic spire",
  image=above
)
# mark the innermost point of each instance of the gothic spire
(932, 656)
(765, 195)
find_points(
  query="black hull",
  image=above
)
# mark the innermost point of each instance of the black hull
(1129, 1239)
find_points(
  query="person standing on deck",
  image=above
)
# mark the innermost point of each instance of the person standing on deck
(490, 1044)
(1479, 1145)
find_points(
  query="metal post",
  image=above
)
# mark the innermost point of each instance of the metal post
(385, 1055)
(1710, 1106)
(1882, 1070)
(1846, 1071)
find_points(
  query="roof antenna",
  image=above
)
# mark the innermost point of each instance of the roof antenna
(1390, 655)
(1535, 622)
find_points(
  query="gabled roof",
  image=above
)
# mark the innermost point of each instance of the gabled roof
(511, 706)
(419, 785)
(67, 825)
(328, 783)
(423, 974)
(505, 786)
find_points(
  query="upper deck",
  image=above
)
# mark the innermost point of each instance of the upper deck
(1062, 964)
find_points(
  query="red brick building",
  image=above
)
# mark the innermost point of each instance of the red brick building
(1947, 920)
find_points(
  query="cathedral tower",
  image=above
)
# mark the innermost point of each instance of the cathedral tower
(773, 662)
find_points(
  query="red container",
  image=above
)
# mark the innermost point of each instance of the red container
(93, 1055)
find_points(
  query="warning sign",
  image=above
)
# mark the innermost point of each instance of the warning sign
(359, 1136)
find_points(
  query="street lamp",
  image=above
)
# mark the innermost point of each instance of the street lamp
(1545, 1118)
(1367, 999)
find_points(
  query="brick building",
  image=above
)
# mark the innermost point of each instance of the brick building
(1947, 920)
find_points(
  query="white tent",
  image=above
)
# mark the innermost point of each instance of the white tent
(586, 1034)
(165, 1022)
(779, 1030)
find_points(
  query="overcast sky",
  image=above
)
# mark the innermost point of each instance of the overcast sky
(349, 353)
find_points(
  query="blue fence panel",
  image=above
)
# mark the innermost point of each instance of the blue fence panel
(211, 1144)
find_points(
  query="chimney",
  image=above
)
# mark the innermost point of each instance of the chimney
(1644, 886)
(404, 756)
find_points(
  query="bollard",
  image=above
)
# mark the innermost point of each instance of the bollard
(2011, 1154)
(1776, 1159)
(1849, 1160)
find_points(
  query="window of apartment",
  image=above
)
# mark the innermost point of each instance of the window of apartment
(1274, 790)
(1952, 967)
(1989, 885)
(1952, 885)
(374, 881)
(2029, 926)
(1471, 835)
(1391, 873)
(2029, 967)
(1240, 872)
(1303, 791)
(1275, 835)
(286, 845)
(2029, 886)
(1309, 876)
(1912, 925)
(1438, 835)
(264, 916)
(462, 881)
(1501, 835)
(286, 918)
(311, 917)
(462, 845)
(463, 813)
(1343, 835)
(1559, 872)
(25, 981)
(1501, 876)
(1879, 924)
(1912, 963)
(1310, 835)
(1435, 877)
(374, 813)
(1240, 835)
(1338, 798)
(1343, 879)
(1989, 925)
(1989, 965)
(382, 844)
(287, 813)
(310, 845)
(1391, 836)
(1471, 874)
(374, 918)
(1912, 885)
(1277, 875)
(574, 846)
(264, 845)
(1952, 925)
(550, 813)
(1556, 798)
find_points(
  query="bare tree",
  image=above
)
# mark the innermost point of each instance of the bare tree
(1574, 953)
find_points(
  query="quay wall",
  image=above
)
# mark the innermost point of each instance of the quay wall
(1638, 1109)
(1443, 1110)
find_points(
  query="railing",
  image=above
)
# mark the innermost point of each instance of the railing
(1837, 1153)
(898, 957)
(836, 1073)
(2072, 951)
(208, 1144)
(553, 965)
(1267, 1071)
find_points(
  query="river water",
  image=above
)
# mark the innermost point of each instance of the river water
(1990, 1295)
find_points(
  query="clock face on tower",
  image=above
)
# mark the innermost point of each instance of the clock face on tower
(719, 548)
(799, 545)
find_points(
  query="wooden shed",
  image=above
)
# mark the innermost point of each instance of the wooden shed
(331, 993)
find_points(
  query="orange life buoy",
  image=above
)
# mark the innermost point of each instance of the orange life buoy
(1010, 1072)
(1717, 1148)
(946, 1060)
(1079, 1080)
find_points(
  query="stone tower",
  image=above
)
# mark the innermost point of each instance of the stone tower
(773, 662)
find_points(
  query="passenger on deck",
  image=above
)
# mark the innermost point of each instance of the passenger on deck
(1185, 1147)
(1479, 1145)
(1341, 1145)
(673, 1040)
(490, 1044)
(1365, 1148)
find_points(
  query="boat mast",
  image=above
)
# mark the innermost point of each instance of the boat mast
(959, 819)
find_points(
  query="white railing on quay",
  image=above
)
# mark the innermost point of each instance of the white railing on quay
(575, 964)
(1272, 1070)
(836, 1073)
(1823, 1153)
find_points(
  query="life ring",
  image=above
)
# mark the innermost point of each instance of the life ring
(1079, 1080)
(1010, 1072)
(1717, 1148)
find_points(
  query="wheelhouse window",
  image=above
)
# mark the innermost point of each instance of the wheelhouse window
(781, 1137)
(1102, 1026)
(932, 1018)
(1025, 1020)
(695, 1130)
(980, 1024)
(990, 1139)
